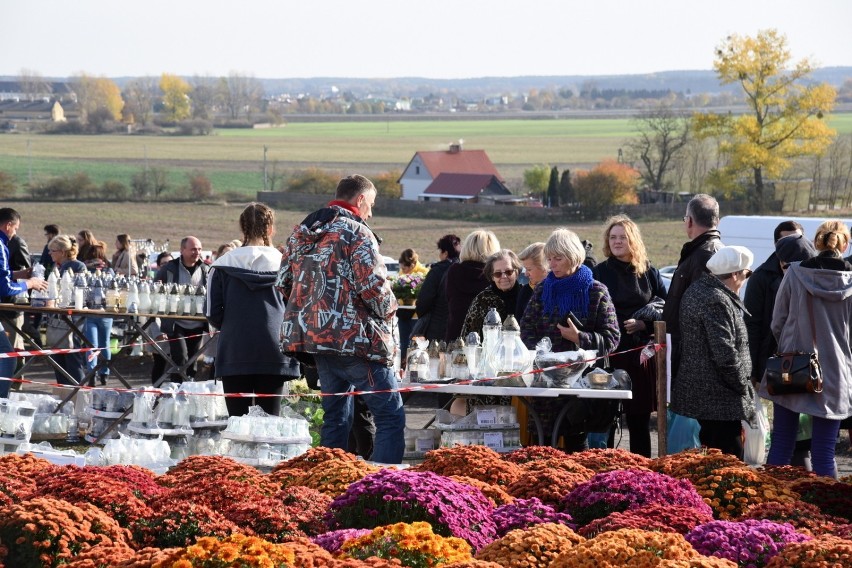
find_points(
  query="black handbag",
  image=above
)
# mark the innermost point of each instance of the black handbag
(796, 372)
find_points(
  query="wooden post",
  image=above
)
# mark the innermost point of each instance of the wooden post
(662, 421)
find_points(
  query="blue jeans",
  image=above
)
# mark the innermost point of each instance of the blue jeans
(340, 374)
(785, 426)
(7, 366)
(97, 331)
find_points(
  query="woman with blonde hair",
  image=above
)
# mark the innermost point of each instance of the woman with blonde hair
(466, 279)
(535, 270)
(637, 292)
(815, 294)
(63, 253)
(124, 258)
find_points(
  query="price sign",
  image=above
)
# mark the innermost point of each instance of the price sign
(486, 417)
(493, 440)
(424, 444)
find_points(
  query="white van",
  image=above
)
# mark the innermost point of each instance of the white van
(755, 232)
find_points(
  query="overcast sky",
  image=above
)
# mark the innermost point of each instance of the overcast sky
(402, 38)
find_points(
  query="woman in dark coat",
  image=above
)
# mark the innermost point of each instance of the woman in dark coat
(713, 382)
(466, 279)
(244, 305)
(432, 299)
(633, 283)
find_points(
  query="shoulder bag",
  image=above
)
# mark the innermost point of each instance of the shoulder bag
(796, 372)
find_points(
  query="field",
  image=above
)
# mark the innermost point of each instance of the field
(233, 159)
(217, 224)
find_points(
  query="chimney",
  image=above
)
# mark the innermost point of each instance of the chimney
(455, 148)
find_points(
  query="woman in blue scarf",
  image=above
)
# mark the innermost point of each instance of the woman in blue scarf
(569, 288)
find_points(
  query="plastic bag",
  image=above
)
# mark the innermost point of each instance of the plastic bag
(754, 448)
(682, 433)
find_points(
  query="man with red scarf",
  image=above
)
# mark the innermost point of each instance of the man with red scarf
(340, 309)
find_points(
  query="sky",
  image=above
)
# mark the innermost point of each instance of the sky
(438, 39)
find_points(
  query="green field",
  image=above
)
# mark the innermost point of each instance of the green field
(233, 159)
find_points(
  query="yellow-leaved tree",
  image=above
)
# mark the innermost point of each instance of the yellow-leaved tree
(786, 114)
(176, 103)
(98, 98)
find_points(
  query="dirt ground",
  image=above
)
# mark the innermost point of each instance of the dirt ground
(419, 409)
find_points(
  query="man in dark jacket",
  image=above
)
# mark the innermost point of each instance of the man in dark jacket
(760, 301)
(185, 335)
(431, 300)
(700, 222)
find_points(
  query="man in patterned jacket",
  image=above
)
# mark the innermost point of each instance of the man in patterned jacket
(340, 309)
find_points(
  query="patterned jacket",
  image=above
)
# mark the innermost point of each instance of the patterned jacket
(713, 381)
(601, 320)
(339, 299)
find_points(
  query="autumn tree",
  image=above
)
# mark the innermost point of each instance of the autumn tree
(175, 97)
(786, 115)
(387, 184)
(661, 134)
(139, 97)
(536, 179)
(609, 183)
(97, 93)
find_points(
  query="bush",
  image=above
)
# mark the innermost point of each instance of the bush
(195, 127)
(200, 186)
(313, 180)
(608, 184)
(114, 190)
(7, 184)
(73, 186)
(149, 183)
(387, 185)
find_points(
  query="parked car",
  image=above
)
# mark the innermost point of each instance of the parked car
(392, 265)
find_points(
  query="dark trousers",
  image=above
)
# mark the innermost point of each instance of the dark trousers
(184, 344)
(363, 429)
(725, 435)
(74, 364)
(258, 384)
(639, 426)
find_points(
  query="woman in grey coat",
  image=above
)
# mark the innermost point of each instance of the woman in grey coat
(712, 383)
(824, 284)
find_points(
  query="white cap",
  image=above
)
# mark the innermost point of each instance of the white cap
(730, 259)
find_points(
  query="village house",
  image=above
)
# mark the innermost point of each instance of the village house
(451, 175)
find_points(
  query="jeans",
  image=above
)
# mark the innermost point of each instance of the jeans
(341, 374)
(7, 366)
(97, 331)
(785, 426)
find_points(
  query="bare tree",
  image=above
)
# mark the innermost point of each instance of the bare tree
(831, 175)
(241, 94)
(33, 84)
(205, 97)
(661, 134)
(140, 96)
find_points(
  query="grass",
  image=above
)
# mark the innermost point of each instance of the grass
(216, 224)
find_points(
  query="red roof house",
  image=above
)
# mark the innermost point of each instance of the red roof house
(425, 167)
(464, 187)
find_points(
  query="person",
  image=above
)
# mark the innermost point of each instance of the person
(569, 288)
(10, 222)
(713, 382)
(19, 261)
(124, 257)
(502, 269)
(815, 294)
(466, 279)
(409, 263)
(759, 301)
(185, 335)
(50, 231)
(636, 290)
(790, 246)
(63, 251)
(432, 300)
(92, 251)
(243, 304)
(225, 247)
(340, 309)
(155, 331)
(700, 222)
(533, 261)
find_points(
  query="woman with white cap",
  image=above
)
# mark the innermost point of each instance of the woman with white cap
(712, 383)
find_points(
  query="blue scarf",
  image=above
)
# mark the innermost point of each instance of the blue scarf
(568, 294)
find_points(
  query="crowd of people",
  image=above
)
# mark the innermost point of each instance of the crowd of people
(321, 305)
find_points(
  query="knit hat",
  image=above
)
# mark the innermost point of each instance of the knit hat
(728, 260)
(794, 248)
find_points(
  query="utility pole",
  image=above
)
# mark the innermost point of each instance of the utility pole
(265, 176)
(30, 161)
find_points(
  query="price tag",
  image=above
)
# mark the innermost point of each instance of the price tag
(486, 417)
(424, 444)
(493, 440)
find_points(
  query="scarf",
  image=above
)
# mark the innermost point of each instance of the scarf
(568, 294)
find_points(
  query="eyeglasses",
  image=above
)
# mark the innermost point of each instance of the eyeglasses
(506, 274)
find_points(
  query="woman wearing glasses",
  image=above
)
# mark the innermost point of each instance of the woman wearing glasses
(501, 270)
(713, 382)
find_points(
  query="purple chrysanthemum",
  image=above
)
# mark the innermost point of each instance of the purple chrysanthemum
(750, 543)
(523, 513)
(391, 496)
(333, 540)
(621, 490)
